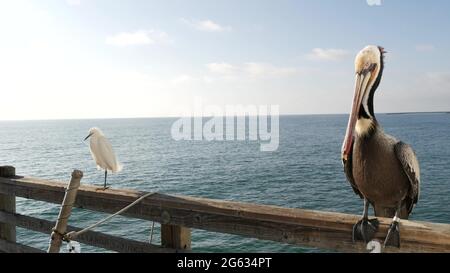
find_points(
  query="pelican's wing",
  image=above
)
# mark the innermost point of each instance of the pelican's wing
(348, 169)
(105, 155)
(410, 164)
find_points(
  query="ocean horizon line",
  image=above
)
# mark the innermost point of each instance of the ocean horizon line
(177, 117)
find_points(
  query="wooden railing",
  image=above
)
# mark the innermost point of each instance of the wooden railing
(178, 214)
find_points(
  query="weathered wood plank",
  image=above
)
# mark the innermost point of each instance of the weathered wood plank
(10, 247)
(7, 203)
(92, 238)
(294, 226)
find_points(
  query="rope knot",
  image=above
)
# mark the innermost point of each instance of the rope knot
(63, 236)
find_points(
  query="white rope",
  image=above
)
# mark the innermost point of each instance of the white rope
(74, 234)
(151, 232)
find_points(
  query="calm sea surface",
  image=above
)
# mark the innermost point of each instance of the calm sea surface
(305, 172)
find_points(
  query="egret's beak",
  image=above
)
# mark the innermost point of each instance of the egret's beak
(88, 136)
(361, 87)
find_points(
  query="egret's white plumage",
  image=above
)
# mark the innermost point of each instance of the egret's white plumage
(102, 152)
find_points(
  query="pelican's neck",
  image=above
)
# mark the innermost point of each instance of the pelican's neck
(365, 127)
(367, 121)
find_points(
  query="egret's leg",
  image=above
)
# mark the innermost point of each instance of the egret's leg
(106, 174)
(365, 229)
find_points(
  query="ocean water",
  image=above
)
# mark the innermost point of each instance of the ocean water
(305, 172)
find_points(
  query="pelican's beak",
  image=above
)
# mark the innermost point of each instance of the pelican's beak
(361, 87)
(88, 136)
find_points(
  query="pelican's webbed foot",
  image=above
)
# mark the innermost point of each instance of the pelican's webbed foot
(365, 230)
(393, 236)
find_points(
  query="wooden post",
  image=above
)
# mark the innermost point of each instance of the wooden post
(8, 204)
(66, 209)
(176, 237)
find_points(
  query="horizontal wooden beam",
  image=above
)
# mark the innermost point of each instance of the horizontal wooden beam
(92, 238)
(293, 226)
(11, 247)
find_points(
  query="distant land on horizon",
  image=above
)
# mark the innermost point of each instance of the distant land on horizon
(410, 113)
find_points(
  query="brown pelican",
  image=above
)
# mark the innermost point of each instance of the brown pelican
(381, 170)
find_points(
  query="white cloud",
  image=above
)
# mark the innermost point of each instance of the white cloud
(266, 69)
(182, 79)
(222, 68)
(138, 38)
(250, 69)
(374, 2)
(209, 25)
(206, 25)
(73, 2)
(321, 54)
(425, 47)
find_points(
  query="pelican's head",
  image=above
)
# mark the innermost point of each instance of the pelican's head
(94, 132)
(369, 65)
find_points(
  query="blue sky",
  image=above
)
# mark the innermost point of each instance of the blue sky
(142, 58)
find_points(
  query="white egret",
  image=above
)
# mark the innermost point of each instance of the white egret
(102, 152)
